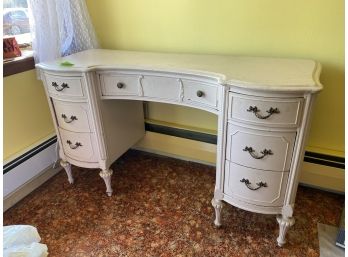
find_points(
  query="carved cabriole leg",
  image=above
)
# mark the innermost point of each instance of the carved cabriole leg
(67, 168)
(284, 224)
(106, 175)
(217, 204)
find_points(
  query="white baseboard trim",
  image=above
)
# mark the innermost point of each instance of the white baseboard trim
(322, 177)
(29, 186)
(28, 172)
(175, 156)
(178, 147)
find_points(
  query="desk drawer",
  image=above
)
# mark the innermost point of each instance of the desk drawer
(280, 112)
(64, 86)
(260, 149)
(200, 93)
(263, 188)
(79, 146)
(161, 87)
(72, 116)
(118, 84)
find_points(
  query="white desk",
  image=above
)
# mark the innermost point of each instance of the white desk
(263, 107)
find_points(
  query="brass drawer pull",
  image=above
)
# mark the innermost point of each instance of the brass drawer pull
(77, 144)
(66, 120)
(251, 151)
(248, 184)
(256, 111)
(61, 88)
(120, 85)
(200, 93)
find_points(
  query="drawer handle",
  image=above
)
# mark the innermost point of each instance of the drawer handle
(200, 93)
(66, 120)
(270, 112)
(77, 144)
(248, 184)
(120, 85)
(61, 88)
(251, 151)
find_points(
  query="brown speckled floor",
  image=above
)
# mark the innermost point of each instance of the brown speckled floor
(161, 207)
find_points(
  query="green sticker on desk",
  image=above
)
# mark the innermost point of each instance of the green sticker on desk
(66, 63)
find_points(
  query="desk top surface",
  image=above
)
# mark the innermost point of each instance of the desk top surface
(248, 72)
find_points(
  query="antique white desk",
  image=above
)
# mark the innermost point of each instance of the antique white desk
(263, 107)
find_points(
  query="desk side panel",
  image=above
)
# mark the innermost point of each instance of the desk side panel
(123, 126)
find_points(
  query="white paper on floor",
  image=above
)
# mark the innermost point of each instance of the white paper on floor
(22, 241)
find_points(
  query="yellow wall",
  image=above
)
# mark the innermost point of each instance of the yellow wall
(303, 29)
(27, 119)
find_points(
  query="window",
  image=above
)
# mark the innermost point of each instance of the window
(16, 21)
(16, 24)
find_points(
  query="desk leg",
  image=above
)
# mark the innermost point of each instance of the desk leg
(106, 175)
(217, 204)
(67, 168)
(284, 224)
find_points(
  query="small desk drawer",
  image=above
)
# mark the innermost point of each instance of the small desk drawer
(161, 87)
(119, 84)
(79, 146)
(200, 93)
(64, 86)
(265, 111)
(72, 116)
(260, 149)
(263, 188)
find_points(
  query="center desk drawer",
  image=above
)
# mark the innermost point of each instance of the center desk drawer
(282, 112)
(119, 84)
(64, 85)
(260, 149)
(72, 116)
(263, 188)
(161, 87)
(79, 146)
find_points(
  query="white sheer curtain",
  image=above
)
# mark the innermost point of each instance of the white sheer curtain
(60, 27)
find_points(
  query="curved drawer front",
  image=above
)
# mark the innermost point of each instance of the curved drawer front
(200, 93)
(64, 86)
(79, 146)
(72, 116)
(263, 188)
(161, 87)
(260, 149)
(119, 84)
(265, 111)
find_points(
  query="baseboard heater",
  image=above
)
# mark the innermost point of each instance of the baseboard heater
(32, 152)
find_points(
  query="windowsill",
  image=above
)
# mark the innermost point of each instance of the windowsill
(19, 64)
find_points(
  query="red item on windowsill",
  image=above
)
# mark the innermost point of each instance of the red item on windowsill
(11, 48)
